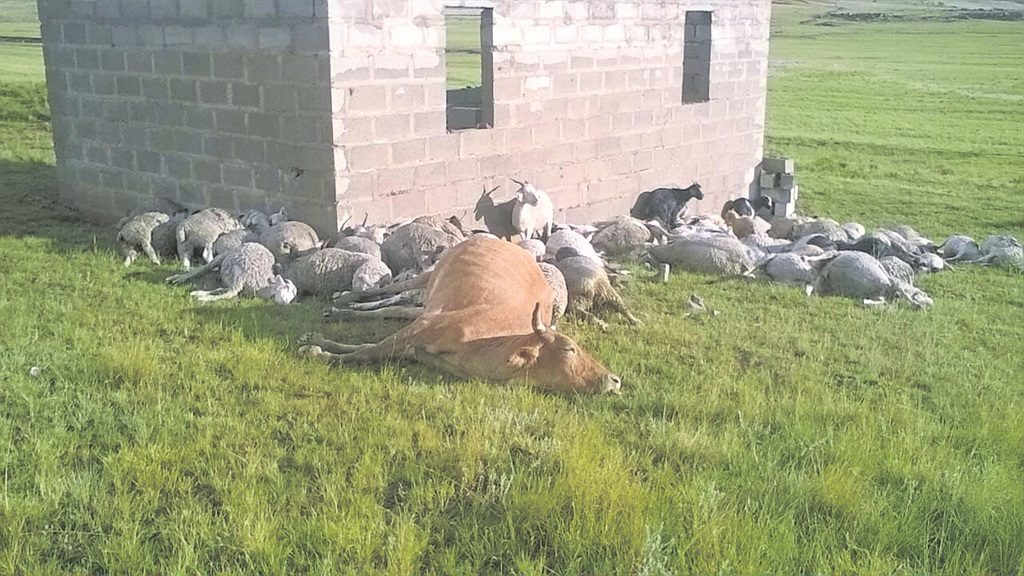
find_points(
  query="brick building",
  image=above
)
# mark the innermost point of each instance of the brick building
(328, 105)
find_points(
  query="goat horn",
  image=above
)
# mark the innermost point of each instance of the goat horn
(366, 218)
(517, 182)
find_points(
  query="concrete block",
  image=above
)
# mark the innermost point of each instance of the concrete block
(196, 64)
(183, 90)
(784, 209)
(228, 66)
(164, 63)
(128, 86)
(206, 170)
(259, 9)
(242, 36)
(213, 92)
(781, 194)
(226, 8)
(245, 94)
(787, 181)
(264, 125)
(164, 9)
(276, 38)
(768, 179)
(778, 165)
(230, 121)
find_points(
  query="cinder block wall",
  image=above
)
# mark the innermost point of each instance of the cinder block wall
(213, 102)
(325, 106)
(587, 103)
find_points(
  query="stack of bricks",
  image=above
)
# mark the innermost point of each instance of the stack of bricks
(324, 106)
(779, 183)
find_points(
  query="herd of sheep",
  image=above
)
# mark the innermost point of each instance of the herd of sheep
(379, 269)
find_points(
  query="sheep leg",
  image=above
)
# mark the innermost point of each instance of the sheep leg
(147, 247)
(185, 255)
(367, 306)
(191, 274)
(389, 290)
(208, 253)
(588, 317)
(214, 295)
(129, 254)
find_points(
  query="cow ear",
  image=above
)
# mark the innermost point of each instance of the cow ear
(524, 357)
(538, 326)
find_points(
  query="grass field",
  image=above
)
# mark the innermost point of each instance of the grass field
(785, 436)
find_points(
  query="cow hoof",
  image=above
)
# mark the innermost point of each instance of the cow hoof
(310, 351)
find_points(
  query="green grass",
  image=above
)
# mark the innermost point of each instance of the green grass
(462, 51)
(19, 18)
(785, 436)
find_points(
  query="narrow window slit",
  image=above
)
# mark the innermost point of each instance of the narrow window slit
(469, 63)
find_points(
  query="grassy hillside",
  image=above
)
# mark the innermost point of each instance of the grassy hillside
(786, 436)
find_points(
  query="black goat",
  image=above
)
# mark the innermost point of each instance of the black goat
(664, 204)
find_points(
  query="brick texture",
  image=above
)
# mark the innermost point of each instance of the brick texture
(327, 107)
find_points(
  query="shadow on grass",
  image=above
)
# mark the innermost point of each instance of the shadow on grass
(32, 208)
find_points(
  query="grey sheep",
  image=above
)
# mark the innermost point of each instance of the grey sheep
(705, 254)
(415, 246)
(1002, 250)
(589, 289)
(165, 240)
(789, 268)
(200, 230)
(568, 238)
(330, 270)
(247, 270)
(859, 275)
(357, 244)
(370, 275)
(450, 226)
(234, 239)
(290, 240)
(534, 247)
(823, 226)
(137, 234)
(622, 236)
(553, 276)
(960, 248)
(898, 269)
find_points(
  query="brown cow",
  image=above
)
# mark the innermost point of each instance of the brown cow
(485, 316)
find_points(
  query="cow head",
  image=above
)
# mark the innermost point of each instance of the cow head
(554, 362)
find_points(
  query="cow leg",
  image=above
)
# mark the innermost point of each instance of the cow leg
(318, 340)
(391, 348)
(387, 313)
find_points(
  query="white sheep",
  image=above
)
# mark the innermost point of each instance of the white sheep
(324, 272)
(290, 240)
(200, 230)
(567, 238)
(248, 269)
(137, 234)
